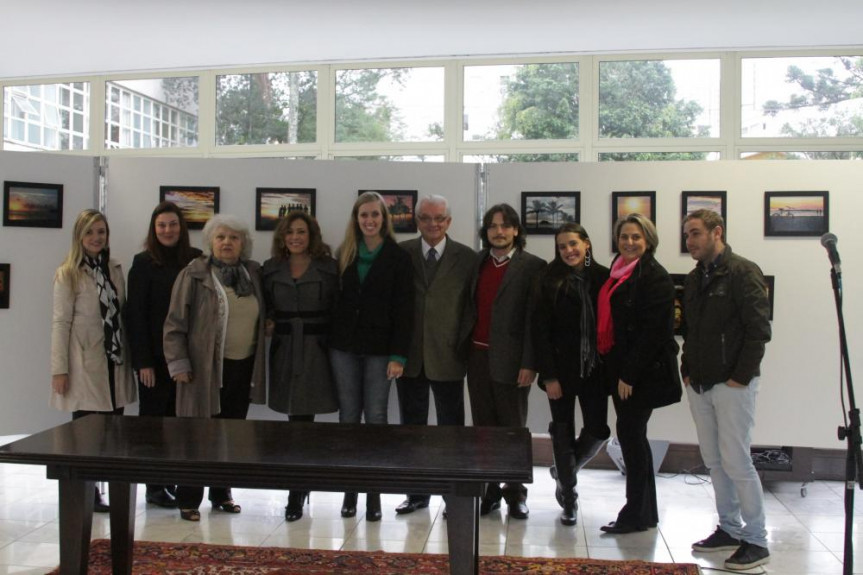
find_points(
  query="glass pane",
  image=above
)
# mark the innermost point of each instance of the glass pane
(41, 115)
(390, 105)
(509, 158)
(804, 97)
(267, 108)
(826, 155)
(151, 99)
(656, 156)
(659, 99)
(426, 158)
(521, 102)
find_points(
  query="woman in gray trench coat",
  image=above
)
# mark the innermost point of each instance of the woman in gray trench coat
(214, 340)
(301, 281)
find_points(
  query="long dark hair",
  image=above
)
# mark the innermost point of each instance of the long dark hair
(510, 217)
(157, 251)
(558, 270)
(317, 248)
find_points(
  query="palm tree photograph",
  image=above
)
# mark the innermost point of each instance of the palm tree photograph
(543, 212)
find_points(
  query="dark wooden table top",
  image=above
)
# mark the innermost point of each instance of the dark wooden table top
(255, 453)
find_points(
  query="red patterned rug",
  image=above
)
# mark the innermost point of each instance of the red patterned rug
(199, 559)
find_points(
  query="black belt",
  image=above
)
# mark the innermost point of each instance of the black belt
(308, 328)
(288, 315)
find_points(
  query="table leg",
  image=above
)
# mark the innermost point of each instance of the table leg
(76, 522)
(122, 499)
(463, 534)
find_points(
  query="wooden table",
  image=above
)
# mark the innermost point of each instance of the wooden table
(455, 462)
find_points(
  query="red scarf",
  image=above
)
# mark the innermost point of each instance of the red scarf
(620, 271)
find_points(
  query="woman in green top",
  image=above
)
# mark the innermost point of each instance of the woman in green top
(372, 324)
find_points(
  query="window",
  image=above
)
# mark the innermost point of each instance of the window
(656, 156)
(509, 158)
(796, 155)
(803, 97)
(521, 102)
(412, 158)
(659, 98)
(46, 116)
(390, 105)
(151, 113)
(266, 108)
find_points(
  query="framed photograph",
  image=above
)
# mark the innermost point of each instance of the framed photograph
(30, 205)
(692, 201)
(679, 280)
(625, 203)
(198, 203)
(4, 286)
(275, 203)
(544, 212)
(401, 205)
(796, 213)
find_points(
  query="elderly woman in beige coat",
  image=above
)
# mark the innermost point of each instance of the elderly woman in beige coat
(90, 368)
(214, 340)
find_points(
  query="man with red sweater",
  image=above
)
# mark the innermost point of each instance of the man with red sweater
(501, 365)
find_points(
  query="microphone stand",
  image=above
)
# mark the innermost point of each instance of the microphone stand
(850, 434)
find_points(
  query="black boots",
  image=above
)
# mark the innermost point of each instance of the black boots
(349, 505)
(294, 509)
(373, 506)
(563, 448)
(587, 446)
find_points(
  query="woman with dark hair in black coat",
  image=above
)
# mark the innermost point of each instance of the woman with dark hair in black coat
(635, 337)
(151, 278)
(564, 327)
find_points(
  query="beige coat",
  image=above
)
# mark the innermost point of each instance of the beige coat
(78, 346)
(194, 336)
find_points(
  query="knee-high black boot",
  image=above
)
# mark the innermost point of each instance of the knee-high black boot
(563, 448)
(587, 446)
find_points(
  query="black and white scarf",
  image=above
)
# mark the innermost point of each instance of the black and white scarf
(109, 305)
(233, 276)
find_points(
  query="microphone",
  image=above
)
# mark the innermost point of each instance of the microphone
(829, 242)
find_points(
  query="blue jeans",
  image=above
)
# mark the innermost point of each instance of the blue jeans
(724, 417)
(362, 386)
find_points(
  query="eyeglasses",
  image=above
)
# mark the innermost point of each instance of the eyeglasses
(435, 219)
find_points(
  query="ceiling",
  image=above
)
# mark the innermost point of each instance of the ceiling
(63, 37)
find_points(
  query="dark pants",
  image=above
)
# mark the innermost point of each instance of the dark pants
(640, 509)
(234, 399)
(496, 404)
(158, 401)
(414, 405)
(593, 401)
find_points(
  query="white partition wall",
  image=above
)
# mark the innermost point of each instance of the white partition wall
(133, 192)
(34, 254)
(799, 401)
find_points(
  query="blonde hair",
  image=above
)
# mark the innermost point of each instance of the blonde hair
(347, 252)
(70, 269)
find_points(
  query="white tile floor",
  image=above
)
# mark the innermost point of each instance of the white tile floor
(806, 534)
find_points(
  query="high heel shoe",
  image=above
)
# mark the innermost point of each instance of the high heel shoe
(190, 514)
(99, 505)
(294, 509)
(227, 506)
(349, 505)
(373, 507)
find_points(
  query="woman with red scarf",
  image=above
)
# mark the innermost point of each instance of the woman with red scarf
(635, 337)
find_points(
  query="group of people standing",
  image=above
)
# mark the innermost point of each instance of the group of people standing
(425, 313)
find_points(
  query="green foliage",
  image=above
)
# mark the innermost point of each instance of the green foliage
(362, 113)
(261, 108)
(637, 99)
(652, 156)
(541, 103)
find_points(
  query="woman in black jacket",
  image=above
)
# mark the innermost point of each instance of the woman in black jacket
(565, 334)
(372, 324)
(635, 336)
(151, 278)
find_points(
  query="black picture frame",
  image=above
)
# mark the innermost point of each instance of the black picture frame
(692, 201)
(198, 203)
(567, 208)
(796, 214)
(401, 204)
(32, 205)
(5, 284)
(625, 203)
(272, 204)
(679, 281)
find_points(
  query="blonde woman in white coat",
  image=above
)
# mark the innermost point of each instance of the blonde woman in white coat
(90, 370)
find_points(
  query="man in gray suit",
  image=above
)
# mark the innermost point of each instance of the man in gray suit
(442, 321)
(501, 365)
